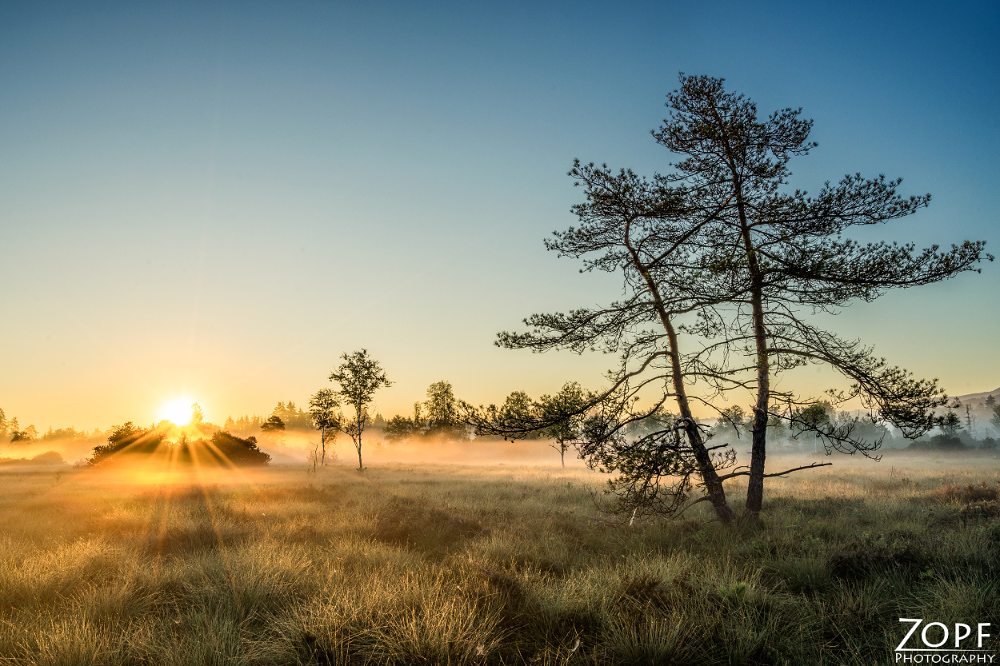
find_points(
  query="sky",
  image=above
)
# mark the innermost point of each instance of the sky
(216, 200)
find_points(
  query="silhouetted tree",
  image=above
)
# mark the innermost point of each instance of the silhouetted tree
(774, 254)
(813, 420)
(359, 377)
(272, 424)
(197, 414)
(441, 413)
(63, 433)
(518, 414)
(399, 427)
(237, 450)
(660, 419)
(244, 424)
(732, 420)
(127, 440)
(324, 409)
(970, 421)
(517, 406)
(565, 411)
(951, 424)
(293, 417)
(442, 408)
(721, 246)
(29, 434)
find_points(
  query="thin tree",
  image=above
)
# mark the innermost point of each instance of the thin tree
(564, 409)
(359, 377)
(273, 424)
(324, 410)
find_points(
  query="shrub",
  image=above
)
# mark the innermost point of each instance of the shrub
(49, 458)
(237, 450)
(127, 440)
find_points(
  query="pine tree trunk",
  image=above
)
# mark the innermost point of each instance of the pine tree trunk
(709, 476)
(758, 450)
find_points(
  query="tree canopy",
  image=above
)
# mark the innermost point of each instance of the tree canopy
(564, 410)
(359, 376)
(324, 410)
(723, 268)
(272, 424)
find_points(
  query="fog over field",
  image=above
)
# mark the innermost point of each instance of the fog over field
(496, 334)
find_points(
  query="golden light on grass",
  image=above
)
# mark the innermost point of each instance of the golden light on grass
(178, 411)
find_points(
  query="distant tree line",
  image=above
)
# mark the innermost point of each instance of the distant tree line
(561, 415)
(438, 416)
(957, 430)
(965, 427)
(11, 431)
(285, 416)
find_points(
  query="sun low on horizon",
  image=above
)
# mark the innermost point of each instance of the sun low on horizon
(179, 411)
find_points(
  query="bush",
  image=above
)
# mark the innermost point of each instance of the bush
(49, 458)
(237, 450)
(127, 440)
(939, 443)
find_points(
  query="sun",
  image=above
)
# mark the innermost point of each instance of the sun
(177, 411)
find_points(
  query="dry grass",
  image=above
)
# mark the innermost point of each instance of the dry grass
(493, 564)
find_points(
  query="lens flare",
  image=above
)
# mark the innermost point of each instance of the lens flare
(177, 411)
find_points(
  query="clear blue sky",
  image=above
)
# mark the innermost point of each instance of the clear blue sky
(217, 201)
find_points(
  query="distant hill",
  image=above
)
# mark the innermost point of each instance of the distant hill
(972, 398)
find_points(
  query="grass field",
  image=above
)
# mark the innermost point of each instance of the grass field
(487, 564)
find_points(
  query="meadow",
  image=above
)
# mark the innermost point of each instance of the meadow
(417, 563)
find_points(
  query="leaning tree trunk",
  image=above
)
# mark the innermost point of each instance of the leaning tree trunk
(710, 477)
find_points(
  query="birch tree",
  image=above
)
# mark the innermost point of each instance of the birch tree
(359, 377)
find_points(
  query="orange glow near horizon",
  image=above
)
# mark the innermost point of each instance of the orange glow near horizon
(178, 411)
